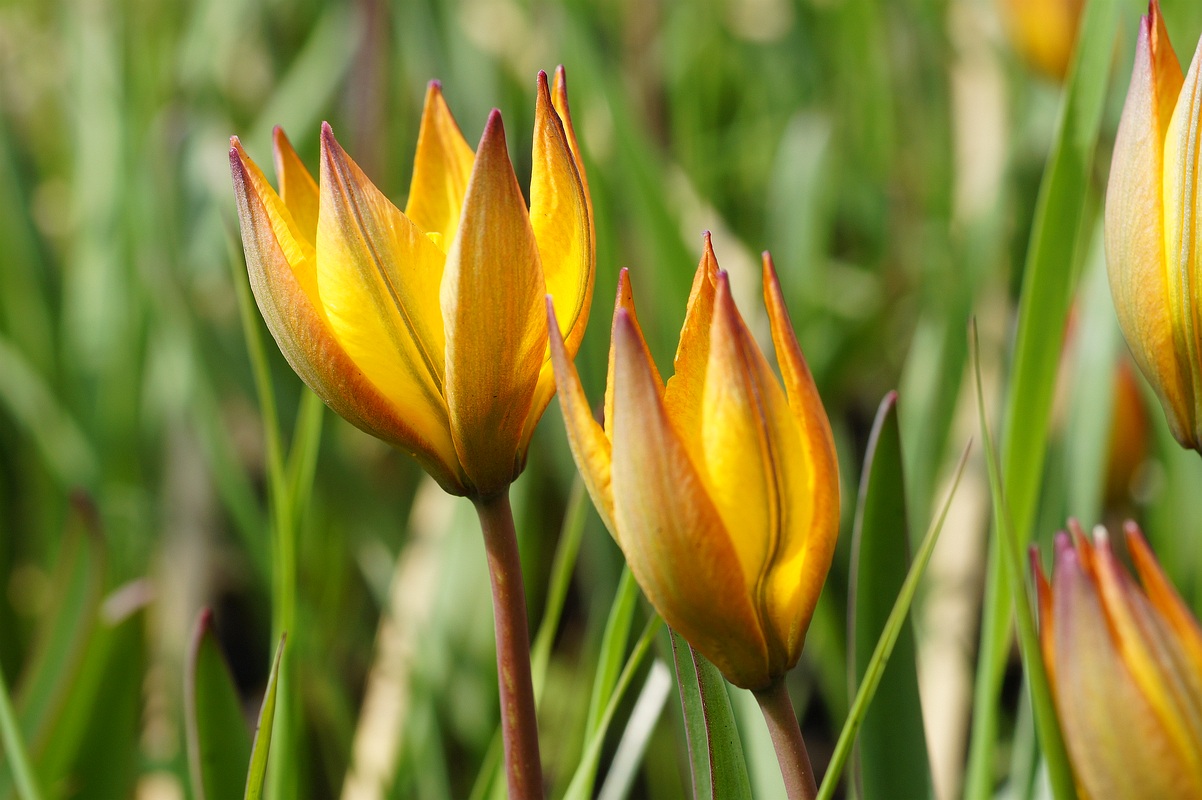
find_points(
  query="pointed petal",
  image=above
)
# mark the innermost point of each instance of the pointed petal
(297, 321)
(1116, 743)
(623, 303)
(759, 481)
(813, 546)
(441, 169)
(1164, 597)
(378, 277)
(559, 97)
(1157, 663)
(297, 187)
(559, 215)
(1140, 278)
(1183, 247)
(683, 393)
(1043, 594)
(672, 536)
(588, 441)
(492, 300)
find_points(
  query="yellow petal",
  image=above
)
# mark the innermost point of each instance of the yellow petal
(559, 215)
(683, 393)
(493, 303)
(1183, 247)
(1156, 661)
(1140, 276)
(804, 552)
(588, 441)
(1164, 597)
(378, 278)
(297, 187)
(1115, 741)
(757, 478)
(299, 326)
(673, 538)
(559, 97)
(441, 169)
(624, 302)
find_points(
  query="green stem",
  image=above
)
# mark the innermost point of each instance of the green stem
(790, 747)
(519, 723)
(14, 747)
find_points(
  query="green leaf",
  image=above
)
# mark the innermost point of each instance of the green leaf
(891, 756)
(262, 743)
(581, 786)
(715, 751)
(884, 646)
(218, 741)
(1058, 237)
(1060, 774)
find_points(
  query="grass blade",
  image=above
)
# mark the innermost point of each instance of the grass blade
(1056, 243)
(262, 743)
(1046, 724)
(884, 646)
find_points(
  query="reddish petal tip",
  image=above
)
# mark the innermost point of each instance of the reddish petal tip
(434, 85)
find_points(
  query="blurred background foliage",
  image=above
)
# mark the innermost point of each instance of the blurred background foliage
(887, 153)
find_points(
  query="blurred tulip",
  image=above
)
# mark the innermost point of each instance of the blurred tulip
(721, 488)
(1125, 665)
(426, 328)
(1044, 32)
(1152, 208)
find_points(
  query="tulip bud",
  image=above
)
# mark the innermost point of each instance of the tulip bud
(425, 328)
(722, 487)
(1125, 667)
(1152, 208)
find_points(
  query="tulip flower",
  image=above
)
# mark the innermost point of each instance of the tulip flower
(1044, 32)
(1125, 667)
(1153, 253)
(425, 328)
(721, 487)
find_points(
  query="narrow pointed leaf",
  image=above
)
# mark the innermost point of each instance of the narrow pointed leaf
(891, 755)
(262, 743)
(715, 750)
(218, 740)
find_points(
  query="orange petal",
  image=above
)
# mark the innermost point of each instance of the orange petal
(674, 540)
(441, 169)
(297, 187)
(590, 446)
(1164, 597)
(1140, 278)
(299, 326)
(760, 482)
(1043, 592)
(1156, 661)
(683, 393)
(623, 302)
(492, 301)
(378, 277)
(813, 547)
(559, 215)
(1114, 738)
(559, 97)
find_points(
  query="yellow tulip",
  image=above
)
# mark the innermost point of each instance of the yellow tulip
(1125, 665)
(721, 487)
(1153, 251)
(425, 328)
(1044, 32)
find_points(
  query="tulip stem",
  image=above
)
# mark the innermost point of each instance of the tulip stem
(519, 724)
(786, 738)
